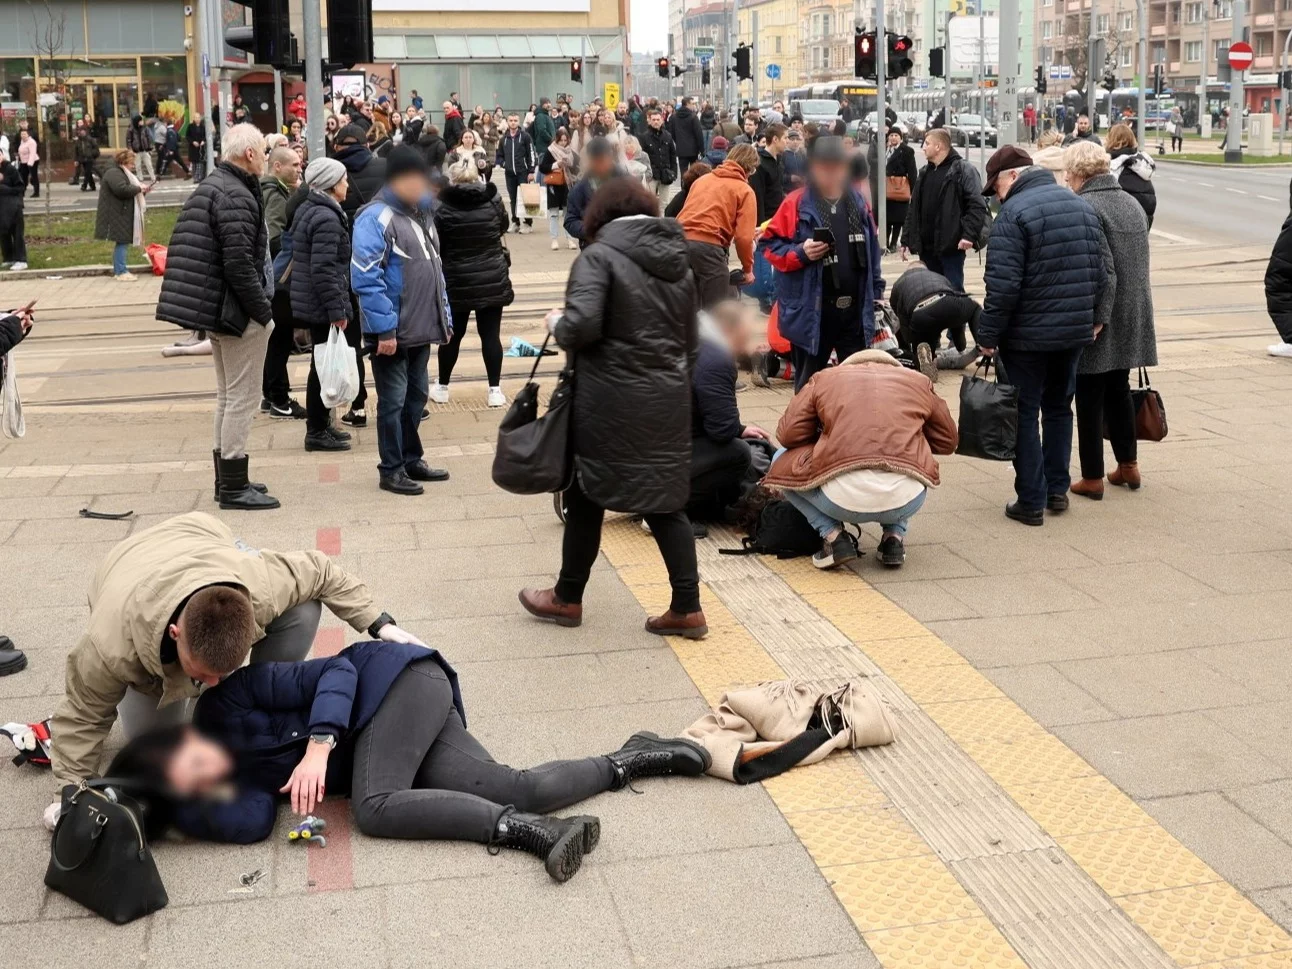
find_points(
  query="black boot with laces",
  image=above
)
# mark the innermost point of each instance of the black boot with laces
(649, 755)
(560, 842)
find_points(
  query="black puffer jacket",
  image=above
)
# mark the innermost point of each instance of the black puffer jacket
(472, 222)
(1048, 264)
(768, 185)
(913, 287)
(433, 149)
(320, 279)
(1134, 170)
(687, 133)
(1278, 282)
(216, 276)
(630, 325)
(366, 173)
(714, 412)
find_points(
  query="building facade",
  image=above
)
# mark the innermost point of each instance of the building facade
(778, 43)
(1062, 32)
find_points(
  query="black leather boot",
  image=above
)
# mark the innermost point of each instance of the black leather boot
(255, 485)
(649, 755)
(560, 842)
(236, 492)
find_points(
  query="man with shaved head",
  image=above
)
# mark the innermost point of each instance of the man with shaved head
(282, 177)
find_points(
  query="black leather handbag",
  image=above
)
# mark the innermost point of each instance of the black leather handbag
(988, 414)
(99, 856)
(533, 453)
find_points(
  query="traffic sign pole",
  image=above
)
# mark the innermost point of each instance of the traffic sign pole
(1240, 58)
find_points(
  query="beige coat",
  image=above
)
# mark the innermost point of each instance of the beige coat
(135, 592)
(756, 721)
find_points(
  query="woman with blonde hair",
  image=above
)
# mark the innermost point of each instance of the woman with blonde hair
(1132, 168)
(1049, 152)
(1124, 336)
(120, 215)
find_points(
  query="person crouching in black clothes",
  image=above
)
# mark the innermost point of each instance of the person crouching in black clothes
(720, 455)
(927, 305)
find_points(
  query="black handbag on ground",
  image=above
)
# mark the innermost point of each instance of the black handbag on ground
(988, 414)
(99, 856)
(533, 453)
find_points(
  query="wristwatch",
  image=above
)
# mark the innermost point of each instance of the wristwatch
(324, 738)
(385, 619)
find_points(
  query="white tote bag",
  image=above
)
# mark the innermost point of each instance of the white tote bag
(10, 403)
(338, 369)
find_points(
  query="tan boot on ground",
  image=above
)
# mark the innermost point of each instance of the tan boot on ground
(1089, 488)
(1126, 474)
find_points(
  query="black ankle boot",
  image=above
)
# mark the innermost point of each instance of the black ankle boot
(560, 842)
(648, 755)
(236, 492)
(254, 485)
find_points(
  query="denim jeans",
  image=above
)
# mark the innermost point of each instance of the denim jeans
(402, 385)
(825, 516)
(119, 258)
(1046, 381)
(952, 266)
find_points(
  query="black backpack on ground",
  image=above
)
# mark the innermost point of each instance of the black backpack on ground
(780, 530)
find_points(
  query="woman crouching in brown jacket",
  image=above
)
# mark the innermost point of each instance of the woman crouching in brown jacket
(857, 445)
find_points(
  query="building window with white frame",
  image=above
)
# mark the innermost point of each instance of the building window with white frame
(1128, 57)
(1101, 23)
(1193, 51)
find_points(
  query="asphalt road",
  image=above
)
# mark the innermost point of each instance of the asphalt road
(1238, 206)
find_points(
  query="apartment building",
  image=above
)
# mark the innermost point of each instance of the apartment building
(777, 43)
(1176, 29)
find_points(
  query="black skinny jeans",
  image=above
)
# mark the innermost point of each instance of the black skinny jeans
(717, 471)
(275, 385)
(582, 542)
(840, 331)
(489, 326)
(950, 314)
(418, 774)
(1104, 398)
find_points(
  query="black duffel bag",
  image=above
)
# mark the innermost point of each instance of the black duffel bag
(988, 414)
(99, 855)
(533, 453)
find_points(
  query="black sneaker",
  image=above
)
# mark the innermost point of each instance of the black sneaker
(337, 433)
(1028, 516)
(400, 484)
(290, 411)
(842, 549)
(421, 471)
(892, 551)
(1057, 503)
(355, 418)
(265, 405)
(426, 413)
(699, 530)
(323, 441)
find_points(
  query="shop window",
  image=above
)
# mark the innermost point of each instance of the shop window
(514, 46)
(452, 45)
(553, 79)
(483, 45)
(164, 82)
(17, 93)
(511, 85)
(421, 45)
(432, 82)
(389, 48)
(547, 46)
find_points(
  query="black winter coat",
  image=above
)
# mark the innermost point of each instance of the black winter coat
(957, 203)
(767, 181)
(662, 154)
(714, 413)
(1048, 264)
(915, 286)
(366, 173)
(320, 279)
(114, 220)
(1278, 283)
(472, 221)
(577, 201)
(433, 149)
(216, 275)
(688, 135)
(1137, 186)
(630, 327)
(12, 191)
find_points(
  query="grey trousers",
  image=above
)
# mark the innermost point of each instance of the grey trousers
(287, 640)
(239, 374)
(418, 774)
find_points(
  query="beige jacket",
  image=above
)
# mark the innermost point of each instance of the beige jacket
(757, 721)
(135, 591)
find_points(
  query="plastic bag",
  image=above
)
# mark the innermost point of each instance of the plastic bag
(11, 421)
(157, 258)
(988, 414)
(338, 370)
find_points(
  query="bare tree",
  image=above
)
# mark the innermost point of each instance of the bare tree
(49, 32)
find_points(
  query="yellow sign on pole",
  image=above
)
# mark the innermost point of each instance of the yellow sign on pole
(957, 7)
(611, 98)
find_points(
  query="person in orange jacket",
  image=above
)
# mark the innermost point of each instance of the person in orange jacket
(720, 210)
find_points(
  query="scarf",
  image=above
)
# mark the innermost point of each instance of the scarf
(563, 154)
(856, 232)
(137, 233)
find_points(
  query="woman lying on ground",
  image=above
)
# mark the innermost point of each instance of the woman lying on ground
(382, 723)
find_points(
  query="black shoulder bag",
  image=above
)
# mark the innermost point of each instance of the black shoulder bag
(533, 453)
(99, 855)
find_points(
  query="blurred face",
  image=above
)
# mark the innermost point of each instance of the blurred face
(779, 106)
(411, 188)
(602, 166)
(830, 178)
(198, 766)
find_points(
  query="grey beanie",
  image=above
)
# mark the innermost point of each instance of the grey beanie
(323, 173)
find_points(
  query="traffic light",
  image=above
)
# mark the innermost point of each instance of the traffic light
(349, 32)
(1285, 80)
(744, 62)
(1159, 80)
(937, 66)
(705, 76)
(268, 38)
(678, 70)
(661, 67)
(864, 61)
(576, 70)
(1040, 79)
(1110, 80)
(899, 56)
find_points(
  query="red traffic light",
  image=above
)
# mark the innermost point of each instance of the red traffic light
(901, 44)
(661, 67)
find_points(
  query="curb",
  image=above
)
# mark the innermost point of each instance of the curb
(74, 272)
(1276, 166)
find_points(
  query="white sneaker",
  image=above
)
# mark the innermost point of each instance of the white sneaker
(125, 277)
(18, 266)
(555, 244)
(573, 243)
(515, 227)
(1277, 350)
(496, 398)
(439, 393)
(526, 229)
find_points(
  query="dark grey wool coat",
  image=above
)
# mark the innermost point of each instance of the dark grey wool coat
(1128, 340)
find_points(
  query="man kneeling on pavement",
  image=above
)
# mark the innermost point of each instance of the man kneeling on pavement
(180, 606)
(927, 305)
(857, 445)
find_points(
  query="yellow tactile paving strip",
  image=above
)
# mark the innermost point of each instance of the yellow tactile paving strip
(907, 904)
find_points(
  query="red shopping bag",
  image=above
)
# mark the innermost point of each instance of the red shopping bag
(157, 258)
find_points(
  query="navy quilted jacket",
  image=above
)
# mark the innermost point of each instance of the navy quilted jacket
(265, 714)
(1045, 271)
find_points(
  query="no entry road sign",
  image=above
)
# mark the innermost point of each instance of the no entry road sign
(1241, 56)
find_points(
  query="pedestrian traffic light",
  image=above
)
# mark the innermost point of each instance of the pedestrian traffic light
(576, 70)
(937, 66)
(1285, 80)
(661, 67)
(744, 62)
(1040, 79)
(864, 61)
(349, 32)
(268, 38)
(1159, 80)
(705, 76)
(1110, 80)
(899, 56)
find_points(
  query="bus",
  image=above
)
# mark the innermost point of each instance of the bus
(861, 94)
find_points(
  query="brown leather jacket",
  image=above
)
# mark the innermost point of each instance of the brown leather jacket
(869, 412)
